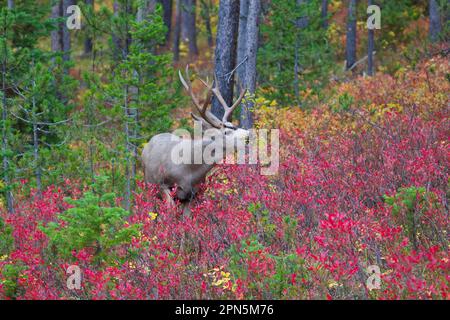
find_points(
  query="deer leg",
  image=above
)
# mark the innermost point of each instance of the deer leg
(168, 196)
(186, 211)
(186, 239)
(185, 195)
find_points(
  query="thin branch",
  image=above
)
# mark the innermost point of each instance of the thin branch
(98, 124)
(39, 122)
(359, 62)
(230, 74)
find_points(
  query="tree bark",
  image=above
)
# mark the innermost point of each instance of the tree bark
(37, 169)
(301, 23)
(88, 40)
(65, 37)
(56, 42)
(435, 20)
(447, 13)
(370, 49)
(6, 177)
(242, 41)
(206, 15)
(167, 16)
(189, 29)
(225, 55)
(324, 14)
(127, 150)
(351, 35)
(115, 38)
(252, 29)
(177, 32)
(60, 38)
(121, 45)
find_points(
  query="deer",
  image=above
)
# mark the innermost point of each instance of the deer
(159, 167)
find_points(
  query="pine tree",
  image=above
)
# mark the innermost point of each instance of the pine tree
(32, 78)
(7, 20)
(40, 111)
(295, 54)
(139, 89)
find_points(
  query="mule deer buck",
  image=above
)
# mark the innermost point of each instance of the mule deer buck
(159, 167)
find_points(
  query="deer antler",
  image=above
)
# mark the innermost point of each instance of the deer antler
(206, 115)
(228, 110)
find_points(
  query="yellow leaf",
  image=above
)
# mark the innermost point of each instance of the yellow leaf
(153, 215)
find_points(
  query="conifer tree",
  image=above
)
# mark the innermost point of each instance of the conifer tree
(295, 54)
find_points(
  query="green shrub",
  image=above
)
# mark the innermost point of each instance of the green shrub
(281, 270)
(93, 222)
(6, 239)
(412, 208)
(10, 276)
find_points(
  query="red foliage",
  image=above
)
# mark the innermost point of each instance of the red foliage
(325, 208)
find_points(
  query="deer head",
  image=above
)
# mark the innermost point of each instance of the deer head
(209, 120)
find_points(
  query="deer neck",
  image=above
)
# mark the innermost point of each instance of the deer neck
(201, 168)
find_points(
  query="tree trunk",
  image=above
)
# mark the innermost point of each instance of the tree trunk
(121, 45)
(5, 177)
(65, 38)
(242, 41)
(10, 4)
(127, 151)
(297, 69)
(225, 56)
(143, 13)
(177, 32)
(88, 40)
(301, 23)
(117, 47)
(324, 14)
(206, 15)
(435, 20)
(37, 169)
(370, 49)
(60, 38)
(447, 14)
(351, 35)
(254, 11)
(167, 16)
(184, 20)
(56, 42)
(189, 29)
(129, 9)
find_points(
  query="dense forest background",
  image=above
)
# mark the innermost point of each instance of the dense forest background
(364, 125)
